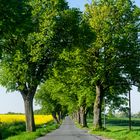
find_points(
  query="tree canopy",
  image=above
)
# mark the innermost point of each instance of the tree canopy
(74, 59)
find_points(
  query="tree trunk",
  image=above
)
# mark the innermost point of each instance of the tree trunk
(83, 116)
(29, 115)
(59, 116)
(74, 116)
(97, 107)
(55, 117)
(78, 116)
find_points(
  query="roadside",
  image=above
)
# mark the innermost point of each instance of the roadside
(40, 131)
(88, 130)
(116, 129)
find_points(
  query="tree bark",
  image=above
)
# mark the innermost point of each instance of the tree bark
(29, 115)
(97, 107)
(83, 116)
(55, 117)
(74, 116)
(78, 116)
(59, 116)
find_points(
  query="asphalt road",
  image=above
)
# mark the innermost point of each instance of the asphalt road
(68, 131)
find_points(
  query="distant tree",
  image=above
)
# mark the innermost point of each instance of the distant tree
(122, 114)
(38, 112)
(14, 113)
(53, 98)
(77, 95)
(136, 115)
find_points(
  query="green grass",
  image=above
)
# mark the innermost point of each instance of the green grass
(117, 129)
(10, 129)
(17, 131)
(119, 133)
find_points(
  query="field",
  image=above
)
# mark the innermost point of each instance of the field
(39, 119)
(117, 129)
(11, 125)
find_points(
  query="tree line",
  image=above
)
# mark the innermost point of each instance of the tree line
(69, 60)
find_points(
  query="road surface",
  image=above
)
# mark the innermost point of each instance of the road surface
(68, 131)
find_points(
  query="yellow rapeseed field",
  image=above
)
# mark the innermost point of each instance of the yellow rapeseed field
(39, 119)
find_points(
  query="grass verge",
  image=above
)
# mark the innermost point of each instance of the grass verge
(119, 133)
(20, 135)
(117, 129)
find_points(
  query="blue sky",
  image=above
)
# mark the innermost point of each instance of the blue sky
(13, 102)
(80, 3)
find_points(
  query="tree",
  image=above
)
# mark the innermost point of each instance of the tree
(31, 47)
(136, 115)
(13, 33)
(115, 25)
(45, 97)
(68, 70)
(77, 95)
